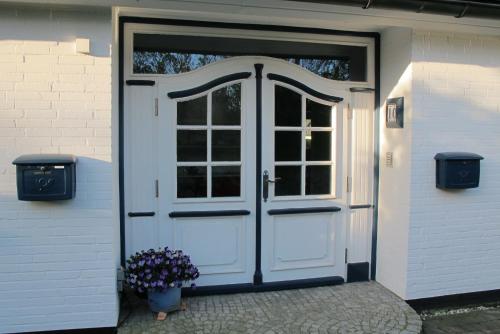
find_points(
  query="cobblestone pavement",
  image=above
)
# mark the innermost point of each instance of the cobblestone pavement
(477, 322)
(348, 308)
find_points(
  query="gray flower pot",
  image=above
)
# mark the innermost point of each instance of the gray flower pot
(166, 301)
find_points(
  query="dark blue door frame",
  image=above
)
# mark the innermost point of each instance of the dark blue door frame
(258, 68)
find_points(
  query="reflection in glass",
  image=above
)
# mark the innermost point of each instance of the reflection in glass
(157, 62)
(192, 112)
(318, 114)
(226, 145)
(318, 145)
(191, 181)
(191, 145)
(318, 180)
(154, 62)
(287, 145)
(226, 105)
(287, 107)
(226, 181)
(289, 183)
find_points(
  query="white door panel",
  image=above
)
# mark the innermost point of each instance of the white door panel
(303, 154)
(362, 106)
(361, 171)
(223, 247)
(140, 169)
(197, 150)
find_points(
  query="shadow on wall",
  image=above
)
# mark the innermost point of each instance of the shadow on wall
(57, 23)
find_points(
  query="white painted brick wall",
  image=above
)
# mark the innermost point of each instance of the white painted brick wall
(57, 260)
(454, 237)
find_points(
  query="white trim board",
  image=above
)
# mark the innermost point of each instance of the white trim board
(288, 13)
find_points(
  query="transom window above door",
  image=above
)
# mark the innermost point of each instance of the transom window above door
(174, 54)
(304, 144)
(208, 137)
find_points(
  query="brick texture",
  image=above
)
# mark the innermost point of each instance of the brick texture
(57, 259)
(454, 236)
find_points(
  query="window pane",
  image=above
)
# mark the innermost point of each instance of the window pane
(287, 145)
(192, 112)
(225, 181)
(318, 114)
(287, 107)
(191, 145)
(171, 54)
(226, 145)
(318, 145)
(226, 105)
(289, 183)
(318, 180)
(191, 182)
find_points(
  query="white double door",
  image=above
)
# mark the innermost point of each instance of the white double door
(251, 163)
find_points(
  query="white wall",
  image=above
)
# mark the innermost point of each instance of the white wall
(454, 244)
(57, 259)
(394, 190)
(433, 242)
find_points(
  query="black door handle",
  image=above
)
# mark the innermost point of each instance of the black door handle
(265, 181)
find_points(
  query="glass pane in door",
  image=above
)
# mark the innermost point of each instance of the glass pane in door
(287, 107)
(318, 145)
(318, 115)
(226, 105)
(191, 145)
(226, 145)
(287, 145)
(226, 181)
(289, 180)
(318, 180)
(191, 181)
(192, 112)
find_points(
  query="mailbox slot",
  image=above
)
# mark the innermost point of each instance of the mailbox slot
(457, 170)
(45, 177)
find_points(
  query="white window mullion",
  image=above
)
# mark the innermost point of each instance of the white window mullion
(209, 146)
(304, 143)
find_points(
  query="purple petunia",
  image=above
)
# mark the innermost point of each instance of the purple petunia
(159, 270)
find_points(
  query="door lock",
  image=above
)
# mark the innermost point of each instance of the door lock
(266, 180)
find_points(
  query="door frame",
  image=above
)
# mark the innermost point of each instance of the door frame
(123, 20)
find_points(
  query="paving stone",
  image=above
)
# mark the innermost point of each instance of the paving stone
(350, 308)
(478, 322)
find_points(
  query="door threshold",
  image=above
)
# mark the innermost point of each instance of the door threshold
(269, 286)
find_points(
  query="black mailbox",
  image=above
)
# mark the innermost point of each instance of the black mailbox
(457, 170)
(45, 177)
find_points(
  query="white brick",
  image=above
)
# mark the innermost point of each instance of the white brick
(78, 132)
(28, 123)
(69, 69)
(98, 69)
(68, 87)
(7, 48)
(43, 132)
(77, 59)
(63, 48)
(32, 87)
(32, 104)
(69, 123)
(46, 106)
(40, 114)
(40, 77)
(11, 77)
(8, 67)
(11, 58)
(35, 47)
(40, 60)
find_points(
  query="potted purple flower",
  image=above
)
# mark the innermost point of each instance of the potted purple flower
(161, 274)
